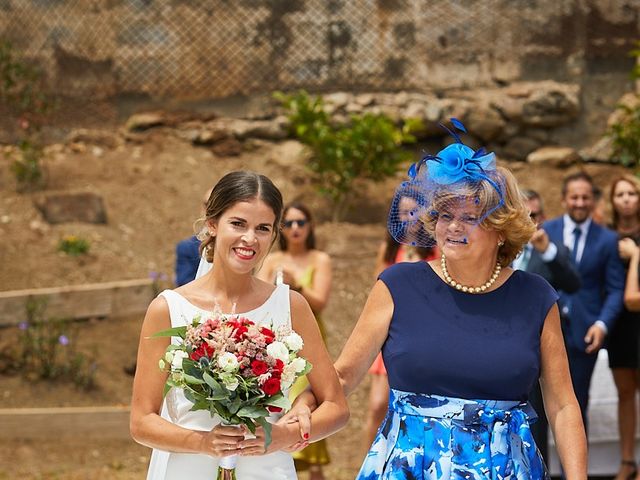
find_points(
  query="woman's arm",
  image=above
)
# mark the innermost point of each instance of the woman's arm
(629, 249)
(332, 411)
(560, 401)
(318, 293)
(146, 425)
(366, 339)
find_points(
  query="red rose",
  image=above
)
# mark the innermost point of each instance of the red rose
(268, 334)
(258, 367)
(273, 409)
(271, 386)
(239, 332)
(278, 367)
(204, 350)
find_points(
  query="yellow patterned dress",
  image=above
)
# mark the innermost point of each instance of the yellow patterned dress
(317, 452)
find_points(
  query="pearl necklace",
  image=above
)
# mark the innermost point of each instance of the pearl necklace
(464, 288)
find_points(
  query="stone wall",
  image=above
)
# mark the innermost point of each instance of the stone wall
(195, 50)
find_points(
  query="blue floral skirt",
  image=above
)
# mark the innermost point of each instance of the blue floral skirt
(443, 438)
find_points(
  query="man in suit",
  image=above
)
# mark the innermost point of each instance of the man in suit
(552, 261)
(188, 253)
(588, 314)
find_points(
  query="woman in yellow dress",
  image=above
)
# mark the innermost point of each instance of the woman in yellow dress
(307, 270)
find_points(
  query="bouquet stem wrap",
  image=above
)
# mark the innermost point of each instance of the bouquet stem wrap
(227, 465)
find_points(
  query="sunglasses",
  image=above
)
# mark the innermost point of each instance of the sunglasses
(299, 223)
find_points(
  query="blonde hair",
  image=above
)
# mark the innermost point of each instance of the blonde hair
(635, 183)
(511, 219)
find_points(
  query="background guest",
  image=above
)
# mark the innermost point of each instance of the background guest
(622, 344)
(307, 270)
(590, 313)
(187, 254)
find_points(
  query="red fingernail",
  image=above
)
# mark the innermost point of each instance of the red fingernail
(306, 436)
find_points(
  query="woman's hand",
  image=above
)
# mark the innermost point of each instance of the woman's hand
(299, 415)
(627, 248)
(290, 279)
(224, 440)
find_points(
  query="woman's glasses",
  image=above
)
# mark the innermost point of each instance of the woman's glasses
(299, 223)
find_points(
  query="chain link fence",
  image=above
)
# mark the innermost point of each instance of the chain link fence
(192, 50)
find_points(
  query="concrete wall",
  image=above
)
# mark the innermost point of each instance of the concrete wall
(190, 50)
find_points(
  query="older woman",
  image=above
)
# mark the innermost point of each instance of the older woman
(464, 338)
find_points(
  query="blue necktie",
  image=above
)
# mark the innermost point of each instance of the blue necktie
(576, 239)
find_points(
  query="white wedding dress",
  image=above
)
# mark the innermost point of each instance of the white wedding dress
(176, 408)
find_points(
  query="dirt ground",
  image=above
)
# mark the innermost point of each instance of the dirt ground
(152, 188)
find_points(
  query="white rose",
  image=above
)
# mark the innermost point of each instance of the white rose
(230, 381)
(279, 351)
(228, 362)
(178, 356)
(294, 341)
(298, 364)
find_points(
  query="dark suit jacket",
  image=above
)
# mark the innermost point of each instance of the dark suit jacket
(559, 272)
(187, 260)
(603, 277)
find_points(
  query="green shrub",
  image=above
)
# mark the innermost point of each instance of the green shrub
(625, 133)
(369, 147)
(73, 245)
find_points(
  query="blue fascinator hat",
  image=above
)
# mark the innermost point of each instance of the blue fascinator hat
(458, 184)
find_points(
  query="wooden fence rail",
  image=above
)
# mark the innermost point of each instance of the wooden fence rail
(78, 301)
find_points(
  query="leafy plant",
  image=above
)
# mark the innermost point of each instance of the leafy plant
(23, 91)
(27, 167)
(625, 133)
(368, 147)
(45, 350)
(73, 245)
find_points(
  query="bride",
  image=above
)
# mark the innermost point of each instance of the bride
(241, 224)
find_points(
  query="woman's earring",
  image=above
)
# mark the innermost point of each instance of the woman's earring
(500, 243)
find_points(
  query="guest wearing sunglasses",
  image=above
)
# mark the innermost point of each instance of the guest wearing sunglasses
(308, 271)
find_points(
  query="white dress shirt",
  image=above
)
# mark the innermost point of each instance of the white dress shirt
(568, 236)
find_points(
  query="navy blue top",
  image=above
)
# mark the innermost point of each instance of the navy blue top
(475, 346)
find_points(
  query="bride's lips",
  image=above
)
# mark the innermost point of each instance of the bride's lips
(457, 241)
(244, 253)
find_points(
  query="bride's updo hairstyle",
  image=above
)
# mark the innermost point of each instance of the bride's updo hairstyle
(234, 187)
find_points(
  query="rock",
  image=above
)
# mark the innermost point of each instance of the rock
(551, 106)
(274, 129)
(144, 121)
(290, 153)
(519, 147)
(228, 147)
(601, 151)
(211, 136)
(39, 226)
(71, 207)
(629, 100)
(484, 122)
(100, 138)
(354, 108)
(561, 157)
(364, 99)
(338, 99)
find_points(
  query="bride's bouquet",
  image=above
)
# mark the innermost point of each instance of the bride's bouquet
(234, 368)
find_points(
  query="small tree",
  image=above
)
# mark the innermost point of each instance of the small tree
(368, 147)
(625, 133)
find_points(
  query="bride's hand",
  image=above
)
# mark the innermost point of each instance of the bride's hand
(282, 435)
(223, 441)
